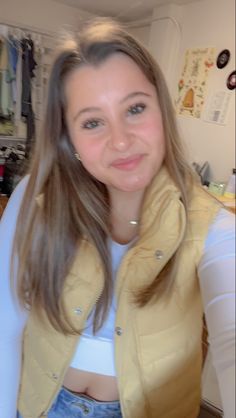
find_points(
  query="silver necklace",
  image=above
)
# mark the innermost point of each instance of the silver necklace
(134, 222)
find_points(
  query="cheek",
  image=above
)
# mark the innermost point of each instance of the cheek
(156, 141)
(153, 133)
(90, 153)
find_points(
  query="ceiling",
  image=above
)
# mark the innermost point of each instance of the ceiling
(127, 10)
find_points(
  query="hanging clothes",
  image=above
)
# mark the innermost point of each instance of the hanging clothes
(24, 63)
(13, 47)
(6, 92)
(28, 65)
(6, 76)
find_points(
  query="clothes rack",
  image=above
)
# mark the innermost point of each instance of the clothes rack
(27, 28)
(43, 46)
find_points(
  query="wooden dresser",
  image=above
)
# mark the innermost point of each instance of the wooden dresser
(3, 203)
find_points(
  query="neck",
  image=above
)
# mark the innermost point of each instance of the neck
(125, 208)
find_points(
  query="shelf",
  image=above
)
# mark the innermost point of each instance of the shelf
(11, 140)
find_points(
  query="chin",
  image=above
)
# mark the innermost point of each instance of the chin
(134, 186)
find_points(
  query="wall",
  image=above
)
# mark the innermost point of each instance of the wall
(141, 33)
(165, 39)
(203, 23)
(45, 15)
(51, 16)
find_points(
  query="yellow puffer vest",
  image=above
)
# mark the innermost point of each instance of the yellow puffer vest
(158, 347)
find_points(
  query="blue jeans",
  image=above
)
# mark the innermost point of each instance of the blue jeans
(70, 405)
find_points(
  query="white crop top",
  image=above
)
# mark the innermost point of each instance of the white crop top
(102, 342)
(217, 282)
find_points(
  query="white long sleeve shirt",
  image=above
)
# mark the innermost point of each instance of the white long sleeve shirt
(216, 274)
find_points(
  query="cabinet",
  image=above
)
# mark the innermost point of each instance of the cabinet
(3, 203)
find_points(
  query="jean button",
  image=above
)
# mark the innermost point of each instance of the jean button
(84, 408)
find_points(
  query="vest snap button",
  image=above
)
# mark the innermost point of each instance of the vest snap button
(78, 311)
(54, 376)
(119, 331)
(159, 254)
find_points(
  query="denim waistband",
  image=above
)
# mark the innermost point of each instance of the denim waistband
(74, 405)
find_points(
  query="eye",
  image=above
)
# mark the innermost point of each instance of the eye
(136, 109)
(91, 124)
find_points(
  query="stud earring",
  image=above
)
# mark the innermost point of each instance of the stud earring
(77, 156)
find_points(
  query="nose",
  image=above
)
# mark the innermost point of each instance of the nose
(120, 138)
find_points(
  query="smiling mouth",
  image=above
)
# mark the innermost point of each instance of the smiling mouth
(127, 164)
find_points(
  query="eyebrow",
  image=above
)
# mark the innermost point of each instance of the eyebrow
(85, 110)
(95, 109)
(134, 94)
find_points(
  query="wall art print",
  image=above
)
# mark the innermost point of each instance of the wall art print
(192, 83)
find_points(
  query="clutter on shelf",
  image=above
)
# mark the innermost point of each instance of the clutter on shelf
(13, 164)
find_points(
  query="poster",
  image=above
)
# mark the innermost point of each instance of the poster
(217, 107)
(192, 83)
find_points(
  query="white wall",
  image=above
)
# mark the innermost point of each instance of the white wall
(203, 23)
(165, 39)
(51, 16)
(45, 15)
(141, 33)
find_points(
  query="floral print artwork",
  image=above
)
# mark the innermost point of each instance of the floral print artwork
(193, 80)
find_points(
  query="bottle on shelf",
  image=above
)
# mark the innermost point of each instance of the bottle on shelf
(230, 191)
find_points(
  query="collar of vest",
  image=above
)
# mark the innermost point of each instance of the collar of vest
(162, 201)
(162, 229)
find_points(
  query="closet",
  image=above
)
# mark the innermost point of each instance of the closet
(25, 59)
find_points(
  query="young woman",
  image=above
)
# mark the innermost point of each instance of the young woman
(117, 250)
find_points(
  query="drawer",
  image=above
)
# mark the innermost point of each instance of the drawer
(3, 203)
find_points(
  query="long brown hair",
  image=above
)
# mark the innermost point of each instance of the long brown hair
(73, 204)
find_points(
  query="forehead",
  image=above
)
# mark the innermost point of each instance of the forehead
(117, 72)
(118, 64)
